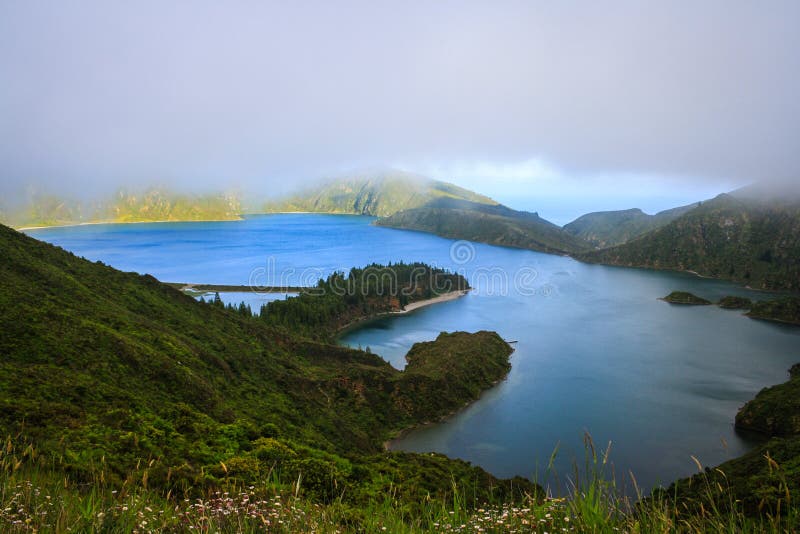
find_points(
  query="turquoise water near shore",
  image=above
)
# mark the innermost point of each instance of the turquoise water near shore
(596, 350)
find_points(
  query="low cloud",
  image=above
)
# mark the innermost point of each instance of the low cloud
(264, 96)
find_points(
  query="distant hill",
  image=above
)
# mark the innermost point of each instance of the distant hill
(743, 237)
(380, 194)
(494, 224)
(125, 206)
(608, 228)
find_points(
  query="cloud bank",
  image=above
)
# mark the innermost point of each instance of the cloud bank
(262, 95)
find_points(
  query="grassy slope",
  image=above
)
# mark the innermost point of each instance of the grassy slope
(378, 195)
(496, 225)
(609, 228)
(105, 367)
(733, 238)
(151, 205)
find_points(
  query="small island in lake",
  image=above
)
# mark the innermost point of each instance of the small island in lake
(684, 297)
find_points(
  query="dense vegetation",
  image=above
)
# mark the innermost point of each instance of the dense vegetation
(732, 302)
(784, 310)
(776, 410)
(342, 300)
(380, 194)
(35, 498)
(608, 228)
(738, 237)
(496, 225)
(684, 297)
(124, 206)
(121, 397)
(781, 310)
(105, 372)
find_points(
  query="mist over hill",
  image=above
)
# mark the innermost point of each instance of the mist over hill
(751, 236)
(377, 194)
(608, 228)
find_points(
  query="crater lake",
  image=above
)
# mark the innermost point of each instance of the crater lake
(595, 350)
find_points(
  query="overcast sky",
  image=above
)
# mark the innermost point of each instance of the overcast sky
(597, 104)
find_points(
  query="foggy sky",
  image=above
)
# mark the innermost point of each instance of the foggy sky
(547, 99)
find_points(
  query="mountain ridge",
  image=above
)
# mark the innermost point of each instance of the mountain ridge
(150, 205)
(377, 194)
(492, 224)
(734, 236)
(608, 228)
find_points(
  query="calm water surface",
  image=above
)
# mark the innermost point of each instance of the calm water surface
(596, 351)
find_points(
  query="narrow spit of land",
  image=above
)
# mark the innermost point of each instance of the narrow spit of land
(183, 286)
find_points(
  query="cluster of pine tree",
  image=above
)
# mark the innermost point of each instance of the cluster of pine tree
(345, 298)
(242, 308)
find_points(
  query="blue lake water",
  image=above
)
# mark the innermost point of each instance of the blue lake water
(596, 350)
(254, 300)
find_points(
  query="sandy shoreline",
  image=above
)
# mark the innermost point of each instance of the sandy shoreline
(409, 308)
(435, 300)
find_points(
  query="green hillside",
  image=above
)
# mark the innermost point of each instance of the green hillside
(608, 228)
(160, 205)
(783, 310)
(735, 237)
(106, 371)
(493, 224)
(125, 206)
(378, 194)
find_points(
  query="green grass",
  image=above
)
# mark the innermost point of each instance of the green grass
(36, 496)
